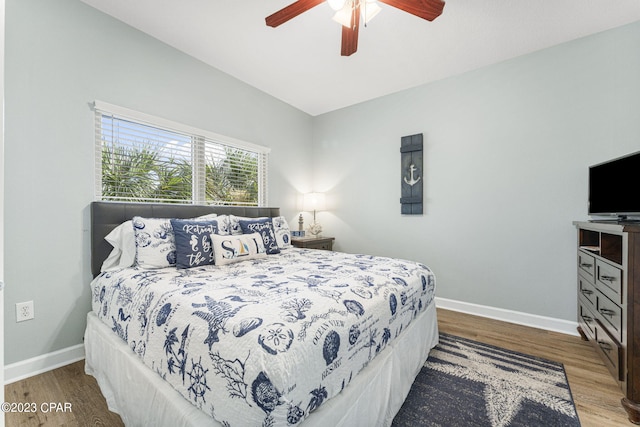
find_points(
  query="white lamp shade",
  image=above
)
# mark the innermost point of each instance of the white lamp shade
(314, 202)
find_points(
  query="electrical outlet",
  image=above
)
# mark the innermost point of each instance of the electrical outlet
(24, 311)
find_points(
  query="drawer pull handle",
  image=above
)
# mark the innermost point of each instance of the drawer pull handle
(605, 346)
(586, 265)
(608, 278)
(587, 319)
(586, 291)
(607, 312)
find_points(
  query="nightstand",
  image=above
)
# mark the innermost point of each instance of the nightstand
(325, 243)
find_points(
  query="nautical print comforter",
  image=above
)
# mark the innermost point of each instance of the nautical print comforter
(264, 342)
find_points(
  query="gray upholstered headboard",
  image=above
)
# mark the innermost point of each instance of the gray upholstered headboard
(105, 216)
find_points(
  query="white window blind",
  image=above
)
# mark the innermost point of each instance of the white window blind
(145, 158)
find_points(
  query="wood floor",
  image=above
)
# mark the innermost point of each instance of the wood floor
(68, 384)
(595, 393)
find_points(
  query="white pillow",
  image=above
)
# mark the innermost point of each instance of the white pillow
(207, 216)
(230, 249)
(282, 231)
(123, 240)
(234, 224)
(224, 225)
(112, 261)
(155, 242)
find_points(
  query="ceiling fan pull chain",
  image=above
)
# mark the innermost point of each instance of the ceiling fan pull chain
(365, 10)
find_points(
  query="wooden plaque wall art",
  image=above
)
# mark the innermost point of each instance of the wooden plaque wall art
(411, 178)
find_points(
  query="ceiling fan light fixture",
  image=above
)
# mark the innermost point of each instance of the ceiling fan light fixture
(336, 4)
(343, 16)
(371, 9)
(349, 13)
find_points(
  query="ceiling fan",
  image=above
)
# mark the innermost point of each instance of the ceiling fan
(350, 12)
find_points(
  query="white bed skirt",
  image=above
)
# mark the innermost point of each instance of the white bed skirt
(142, 398)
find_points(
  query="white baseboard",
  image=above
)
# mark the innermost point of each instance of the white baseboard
(39, 364)
(526, 319)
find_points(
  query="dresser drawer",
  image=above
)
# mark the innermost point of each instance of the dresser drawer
(610, 314)
(325, 243)
(587, 291)
(609, 280)
(327, 246)
(586, 264)
(611, 350)
(586, 319)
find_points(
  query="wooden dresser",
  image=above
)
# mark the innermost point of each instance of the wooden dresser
(609, 301)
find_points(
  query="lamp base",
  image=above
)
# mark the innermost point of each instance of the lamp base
(315, 229)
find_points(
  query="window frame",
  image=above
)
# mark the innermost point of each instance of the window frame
(199, 138)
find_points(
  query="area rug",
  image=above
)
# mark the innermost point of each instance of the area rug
(467, 383)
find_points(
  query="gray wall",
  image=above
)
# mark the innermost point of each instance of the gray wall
(506, 153)
(60, 56)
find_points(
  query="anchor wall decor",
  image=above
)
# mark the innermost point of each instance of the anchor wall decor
(411, 173)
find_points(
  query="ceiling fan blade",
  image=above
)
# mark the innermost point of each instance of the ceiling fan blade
(350, 35)
(425, 9)
(291, 11)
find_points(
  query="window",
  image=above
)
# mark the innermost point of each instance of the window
(147, 159)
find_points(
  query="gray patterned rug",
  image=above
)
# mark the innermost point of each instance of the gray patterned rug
(467, 383)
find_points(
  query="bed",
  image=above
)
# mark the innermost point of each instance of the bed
(295, 336)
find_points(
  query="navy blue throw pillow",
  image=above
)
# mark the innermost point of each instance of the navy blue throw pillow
(193, 244)
(263, 226)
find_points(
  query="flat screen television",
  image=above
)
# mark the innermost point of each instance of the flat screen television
(614, 187)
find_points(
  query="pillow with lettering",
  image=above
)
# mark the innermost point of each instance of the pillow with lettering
(155, 243)
(264, 226)
(193, 241)
(229, 249)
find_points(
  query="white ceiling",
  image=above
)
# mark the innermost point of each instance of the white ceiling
(300, 63)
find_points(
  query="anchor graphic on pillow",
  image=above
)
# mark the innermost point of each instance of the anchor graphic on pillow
(412, 181)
